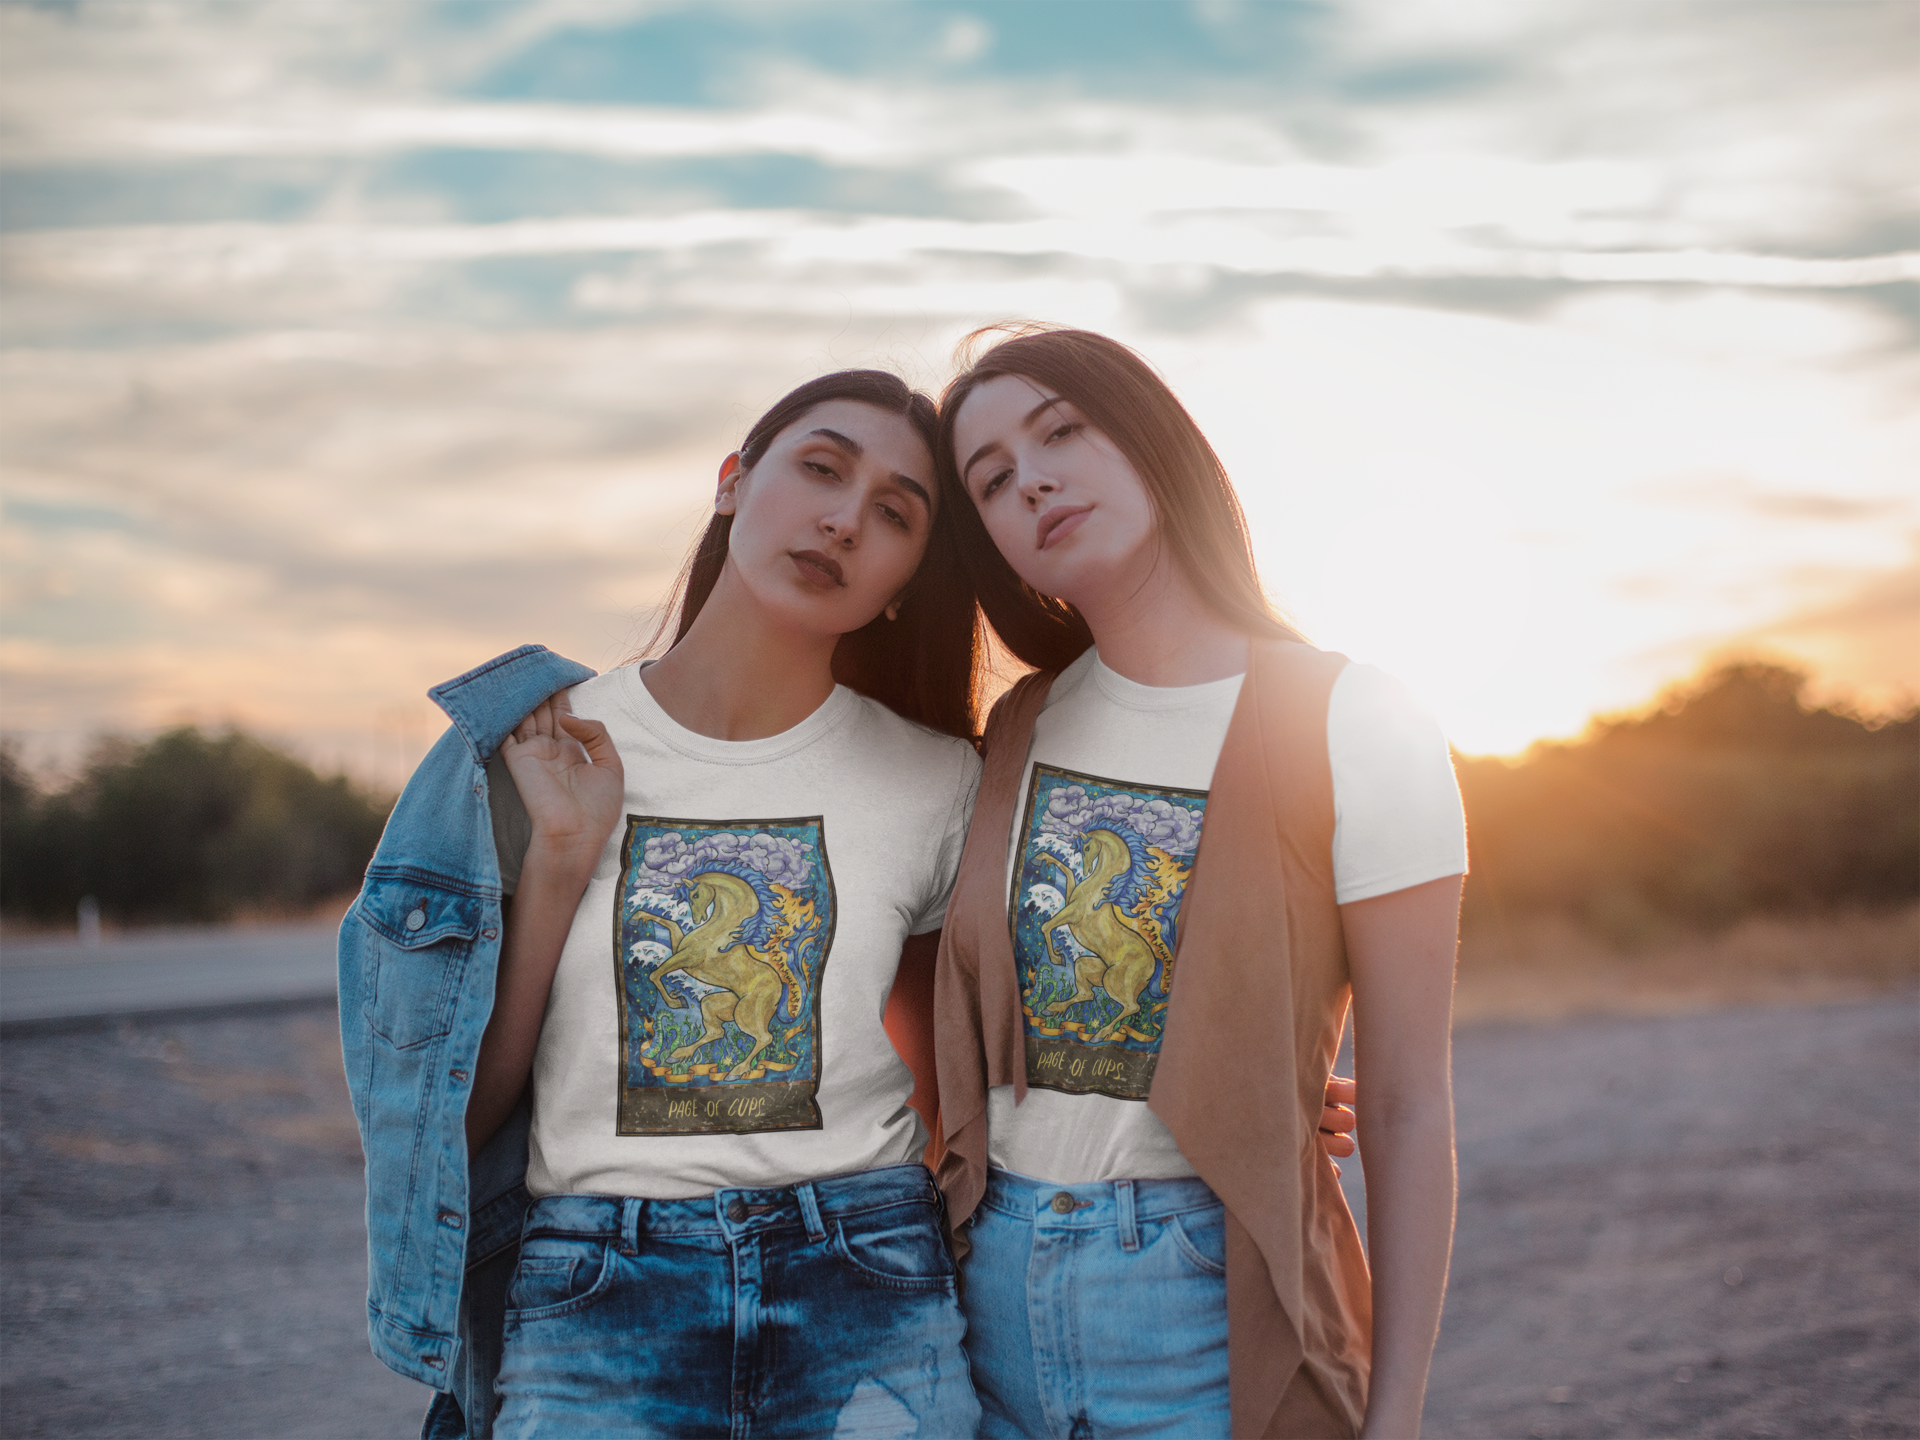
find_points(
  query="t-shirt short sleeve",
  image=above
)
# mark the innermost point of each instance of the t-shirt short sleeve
(966, 789)
(512, 827)
(1397, 814)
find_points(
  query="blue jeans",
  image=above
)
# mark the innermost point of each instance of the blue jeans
(1098, 1310)
(826, 1308)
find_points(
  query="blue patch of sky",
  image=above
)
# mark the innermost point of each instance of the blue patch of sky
(179, 192)
(82, 620)
(1431, 78)
(488, 186)
(714, 56)
(531, 290)
(46, 517)
(81, 322)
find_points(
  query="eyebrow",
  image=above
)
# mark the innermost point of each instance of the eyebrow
(1025, 420)
(854, 448)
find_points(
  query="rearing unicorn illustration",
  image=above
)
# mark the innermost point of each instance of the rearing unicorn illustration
(724, 948)
(1123, 954)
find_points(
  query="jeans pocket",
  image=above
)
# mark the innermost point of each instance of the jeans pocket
(1201, 1238)
(556, 1276)
(900, 1247)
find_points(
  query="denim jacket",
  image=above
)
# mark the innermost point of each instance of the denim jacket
(419, 950)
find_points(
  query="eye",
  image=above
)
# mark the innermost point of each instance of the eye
(894, 517)
(1062, 430)
(820, 469)
(994, 482)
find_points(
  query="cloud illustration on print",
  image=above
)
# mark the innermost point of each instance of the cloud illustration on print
(778, 857)
(1174, 828)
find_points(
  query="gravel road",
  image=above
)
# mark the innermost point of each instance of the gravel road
(1693, 1225)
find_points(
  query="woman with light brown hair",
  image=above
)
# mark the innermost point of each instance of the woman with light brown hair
(1156, 1243)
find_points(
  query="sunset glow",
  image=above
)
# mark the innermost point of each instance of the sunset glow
(343, 349)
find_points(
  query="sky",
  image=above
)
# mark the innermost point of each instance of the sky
(1555, 348)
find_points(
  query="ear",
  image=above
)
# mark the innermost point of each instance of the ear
(725, 498)
(892, 612)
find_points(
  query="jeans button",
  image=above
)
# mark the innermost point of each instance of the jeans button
(1063, 1204)
(737, 1211)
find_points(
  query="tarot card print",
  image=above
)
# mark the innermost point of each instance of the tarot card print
(721, 935)
(1100, 873)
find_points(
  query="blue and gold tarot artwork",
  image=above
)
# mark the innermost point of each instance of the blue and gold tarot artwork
(1099, 876)
(720, 935)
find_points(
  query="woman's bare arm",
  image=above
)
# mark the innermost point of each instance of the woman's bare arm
(1401, 950)
(570, 780)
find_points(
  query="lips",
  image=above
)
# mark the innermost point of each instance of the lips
(817, 568)
(1058, 523)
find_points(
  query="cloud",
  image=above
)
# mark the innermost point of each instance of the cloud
(349, 344)
(1169, 825)
(670, 858)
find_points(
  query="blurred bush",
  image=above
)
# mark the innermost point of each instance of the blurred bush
(187, 827)
(1729, 799)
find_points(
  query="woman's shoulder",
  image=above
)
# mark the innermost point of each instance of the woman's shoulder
(1365, 697)
(886, 734)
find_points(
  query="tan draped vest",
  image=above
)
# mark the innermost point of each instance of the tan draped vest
(1252, 1025)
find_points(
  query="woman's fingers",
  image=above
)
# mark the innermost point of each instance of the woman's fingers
(592, 736)
(1340, 1090)
(553, 719)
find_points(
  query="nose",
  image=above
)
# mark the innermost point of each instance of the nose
(841, 526)
(1033, 485)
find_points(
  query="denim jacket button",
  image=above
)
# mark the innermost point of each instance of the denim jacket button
(416, 918)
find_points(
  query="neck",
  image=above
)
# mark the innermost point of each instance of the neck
(1162, 633)
(735, 676)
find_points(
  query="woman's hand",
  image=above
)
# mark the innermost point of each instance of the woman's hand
(570, 779)
(1337, 1119)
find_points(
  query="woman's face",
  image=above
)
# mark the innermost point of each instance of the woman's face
(1059, 499)
(830, 524)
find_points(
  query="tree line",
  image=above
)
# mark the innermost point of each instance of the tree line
(1729, 798)
(185, 827)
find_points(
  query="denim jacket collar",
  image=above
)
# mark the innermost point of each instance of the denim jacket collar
(489, 700)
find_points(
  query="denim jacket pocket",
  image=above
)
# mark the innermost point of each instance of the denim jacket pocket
(419, 937)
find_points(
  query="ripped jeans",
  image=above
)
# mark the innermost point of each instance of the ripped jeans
(822, 1309)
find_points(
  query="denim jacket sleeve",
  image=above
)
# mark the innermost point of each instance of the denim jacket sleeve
(419, 950)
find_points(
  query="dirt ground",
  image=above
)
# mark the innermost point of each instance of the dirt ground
(1698, 1224)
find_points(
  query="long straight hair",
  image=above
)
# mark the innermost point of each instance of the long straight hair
(925, 664)
(1198, 515)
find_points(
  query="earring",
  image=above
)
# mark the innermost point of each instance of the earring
(893, 611)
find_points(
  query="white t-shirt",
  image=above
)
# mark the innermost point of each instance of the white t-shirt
(715, 1019)
(1112, 809)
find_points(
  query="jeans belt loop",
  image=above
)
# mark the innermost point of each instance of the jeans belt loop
(810, 1211)
(1129, 1227)
(630, 1210)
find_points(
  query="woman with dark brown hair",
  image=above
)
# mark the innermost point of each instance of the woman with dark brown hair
(719, 864)
(1185, 790)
